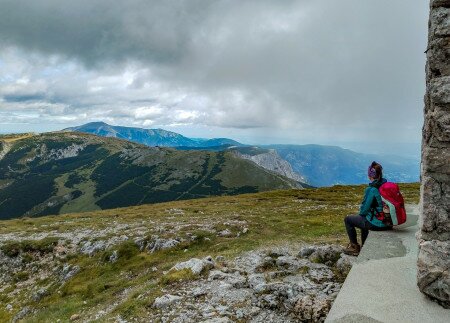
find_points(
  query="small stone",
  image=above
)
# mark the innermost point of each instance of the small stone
(197, 292)
(257, 282)
(75, 317)
(114, 256)
(245, 230)
(196, 265)
(161, 244)
(69, 271)
(21, 314)
(305, 252)
(312, 309)
(140, 243)
(9, 307)
(42, 292)
(91, 247)
(225, 233)
(217, 274)
(287, 262)
(166, 300)
(344, 264)
(327, 255)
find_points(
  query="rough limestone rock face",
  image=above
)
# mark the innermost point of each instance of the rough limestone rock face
(272, 161)
(434, 236)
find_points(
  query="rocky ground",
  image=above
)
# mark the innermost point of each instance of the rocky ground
(274, 285)
(282, 284)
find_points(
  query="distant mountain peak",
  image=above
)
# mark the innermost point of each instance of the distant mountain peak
(150, 137)
(97, 123)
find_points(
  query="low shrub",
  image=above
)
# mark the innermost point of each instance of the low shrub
(11, 249)
(14, 248)
(21, 276)
(127, 250)
(27, 258)
(45, 245)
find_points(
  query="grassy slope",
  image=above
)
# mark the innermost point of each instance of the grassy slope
(109, 173)
(277, 217)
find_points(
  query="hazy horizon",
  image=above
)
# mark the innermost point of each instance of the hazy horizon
(408, 150)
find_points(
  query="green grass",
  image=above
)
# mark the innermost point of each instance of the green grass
(272, 218)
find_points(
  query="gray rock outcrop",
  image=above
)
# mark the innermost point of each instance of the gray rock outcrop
(434, 236)
(4, 149)
(273, 162)
(197, 266)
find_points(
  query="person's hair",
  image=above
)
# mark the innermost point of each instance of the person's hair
(375, 170)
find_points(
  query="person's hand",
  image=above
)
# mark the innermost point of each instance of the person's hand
(386, 209)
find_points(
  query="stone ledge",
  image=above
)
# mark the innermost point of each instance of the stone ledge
(382, 285)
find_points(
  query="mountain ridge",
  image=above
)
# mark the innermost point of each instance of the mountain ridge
(318, 165)
(149, 137)
(84, 172)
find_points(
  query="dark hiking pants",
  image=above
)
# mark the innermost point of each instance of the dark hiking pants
(357, 221)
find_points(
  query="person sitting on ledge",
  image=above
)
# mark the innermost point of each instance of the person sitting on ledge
(366, 219)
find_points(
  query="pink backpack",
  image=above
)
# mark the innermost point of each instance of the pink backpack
(392, 198)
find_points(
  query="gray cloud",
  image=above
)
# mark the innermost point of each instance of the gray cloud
(95, 32)
(322, 70)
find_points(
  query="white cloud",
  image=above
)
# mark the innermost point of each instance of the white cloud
(295, 70)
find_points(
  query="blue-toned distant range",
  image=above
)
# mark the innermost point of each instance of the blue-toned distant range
(316, 165)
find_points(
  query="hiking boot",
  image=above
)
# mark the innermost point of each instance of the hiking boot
(352, 249)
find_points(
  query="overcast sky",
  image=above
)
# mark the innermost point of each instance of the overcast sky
(347, 72)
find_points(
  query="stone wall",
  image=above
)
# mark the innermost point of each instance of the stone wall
(434, 235)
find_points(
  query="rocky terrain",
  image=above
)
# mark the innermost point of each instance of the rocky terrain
(281, 284)
(271, 256)
(273, 285)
